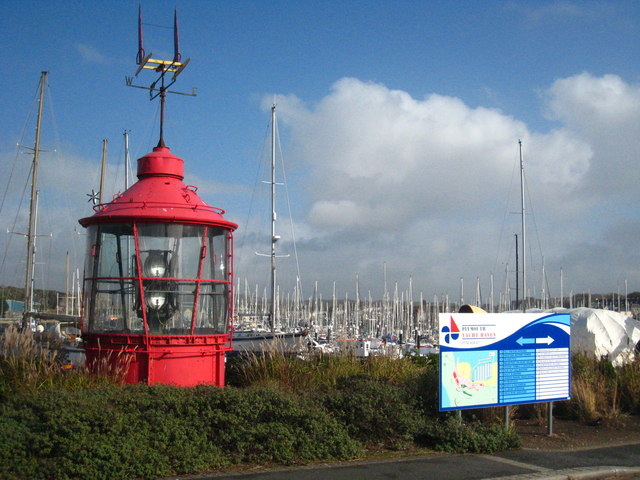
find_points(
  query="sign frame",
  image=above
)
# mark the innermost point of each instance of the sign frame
(501, 359)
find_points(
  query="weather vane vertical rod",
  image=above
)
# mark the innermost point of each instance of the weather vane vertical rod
(175, 65)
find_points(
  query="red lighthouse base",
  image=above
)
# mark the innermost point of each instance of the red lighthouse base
(180, 360)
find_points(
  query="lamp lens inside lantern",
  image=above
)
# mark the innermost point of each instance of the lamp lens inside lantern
(155, 265)
(156, 300)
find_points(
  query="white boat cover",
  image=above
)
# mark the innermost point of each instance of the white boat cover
(603, 333)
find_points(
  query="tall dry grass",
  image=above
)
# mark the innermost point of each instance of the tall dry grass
(29, 361)
(629, 375)
(26, 361)
(585, 400)
(316, 370)
(602, 392)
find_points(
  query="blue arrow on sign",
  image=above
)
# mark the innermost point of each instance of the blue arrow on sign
(525, 341)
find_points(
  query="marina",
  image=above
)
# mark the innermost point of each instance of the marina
(355, 303)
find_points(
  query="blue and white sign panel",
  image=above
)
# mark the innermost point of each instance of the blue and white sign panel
(489, 360)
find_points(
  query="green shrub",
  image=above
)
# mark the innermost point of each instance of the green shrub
(629, 375)
(149, 432)
(374, 411)
(258, 425)
(450, 434)
(425, 388)
(288, 410)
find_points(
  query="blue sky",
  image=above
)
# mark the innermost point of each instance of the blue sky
(399, 123)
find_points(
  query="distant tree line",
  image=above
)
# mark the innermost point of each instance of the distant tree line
(45, 300)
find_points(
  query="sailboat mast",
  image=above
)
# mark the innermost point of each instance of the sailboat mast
(32, 274)
(274, 238)
(518, 304)
(66, 286)
(524, 237)
(28, 290)
(561, 289)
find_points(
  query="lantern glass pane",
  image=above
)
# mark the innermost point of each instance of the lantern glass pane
(177, 276)
(214, 266)
(212, 309)
(170, 250)
(109, 280)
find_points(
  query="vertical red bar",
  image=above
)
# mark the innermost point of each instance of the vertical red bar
(196, 297)
(139, 279)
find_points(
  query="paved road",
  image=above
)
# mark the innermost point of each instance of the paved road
(590, 464)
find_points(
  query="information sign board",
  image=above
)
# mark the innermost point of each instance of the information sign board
(489, 360)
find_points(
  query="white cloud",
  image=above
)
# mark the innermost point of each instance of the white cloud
(428, 184)
(380, 157)
(561, 11)
(90, 54)
(584, 102)
(603, 112)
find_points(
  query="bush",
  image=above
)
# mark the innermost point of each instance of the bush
(425, 388)
(453, 435)
(284, 410)
(374, 411)
(629, 375)
(149, 432)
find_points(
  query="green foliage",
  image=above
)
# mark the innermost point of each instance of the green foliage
(629, 375)
(45, 299)
(374, 411)
(282, 410)
(137, 431)
(450, 434)
(266, 425)
(425, 388)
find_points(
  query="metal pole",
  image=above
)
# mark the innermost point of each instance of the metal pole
(524, 237)
(561, 289)
(33, 254)
(506, 417)
(28, 290)
(66, 288)
(550, 419)
(274, 238)
(517, 276)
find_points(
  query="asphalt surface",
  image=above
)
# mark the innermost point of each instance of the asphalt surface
(622, 462)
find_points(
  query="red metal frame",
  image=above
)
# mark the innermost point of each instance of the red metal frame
(230, 272)
(143, 303)
(203, 251)
(160, 196)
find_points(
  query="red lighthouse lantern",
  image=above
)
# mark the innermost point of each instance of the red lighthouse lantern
(157, 297)
(158, 280)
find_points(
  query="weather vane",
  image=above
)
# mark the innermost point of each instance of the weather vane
(160, 87)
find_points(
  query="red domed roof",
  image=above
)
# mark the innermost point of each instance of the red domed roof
(159, 195)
